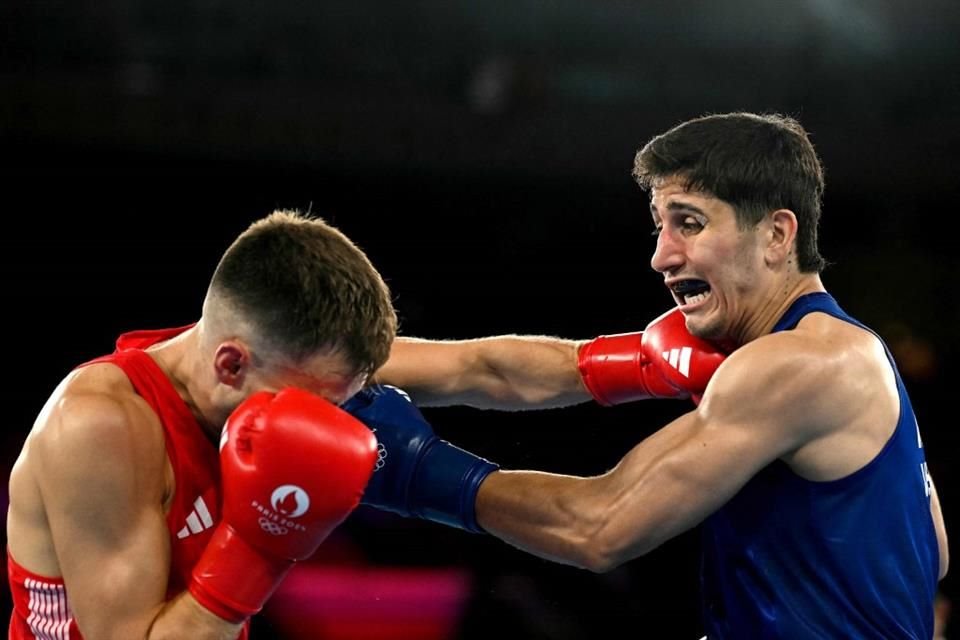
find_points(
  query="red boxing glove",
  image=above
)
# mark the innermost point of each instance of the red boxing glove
(663, 361)
(293, 468)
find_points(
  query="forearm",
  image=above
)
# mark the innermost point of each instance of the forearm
(124, 612)
(554, 517)
(128, 601)
(505, 372)
(660, 489)
(184, 612)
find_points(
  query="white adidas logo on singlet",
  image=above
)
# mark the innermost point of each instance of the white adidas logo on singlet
(198, 520)
(679, 359)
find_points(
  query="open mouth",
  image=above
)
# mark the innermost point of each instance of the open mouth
(688, 292)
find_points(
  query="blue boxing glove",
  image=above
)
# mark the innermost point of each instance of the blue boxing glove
(417, 473)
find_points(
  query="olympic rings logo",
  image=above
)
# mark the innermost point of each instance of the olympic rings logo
(381, 457)
(273, 528)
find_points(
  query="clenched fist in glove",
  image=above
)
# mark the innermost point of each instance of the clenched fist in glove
(663, 361)
(293, 467)
(418, 474)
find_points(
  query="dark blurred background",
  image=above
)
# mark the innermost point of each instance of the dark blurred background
(481, 154)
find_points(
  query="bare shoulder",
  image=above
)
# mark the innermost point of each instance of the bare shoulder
(851, 361)
(96, 417)
(805, 382)
(95, 452)
(777, 368)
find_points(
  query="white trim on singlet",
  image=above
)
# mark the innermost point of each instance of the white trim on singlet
(50, 614)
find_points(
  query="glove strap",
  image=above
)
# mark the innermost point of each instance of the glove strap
(446, 485)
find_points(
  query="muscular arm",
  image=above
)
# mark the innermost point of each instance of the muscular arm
(669, 482)
(99, 464)
(507, 372)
